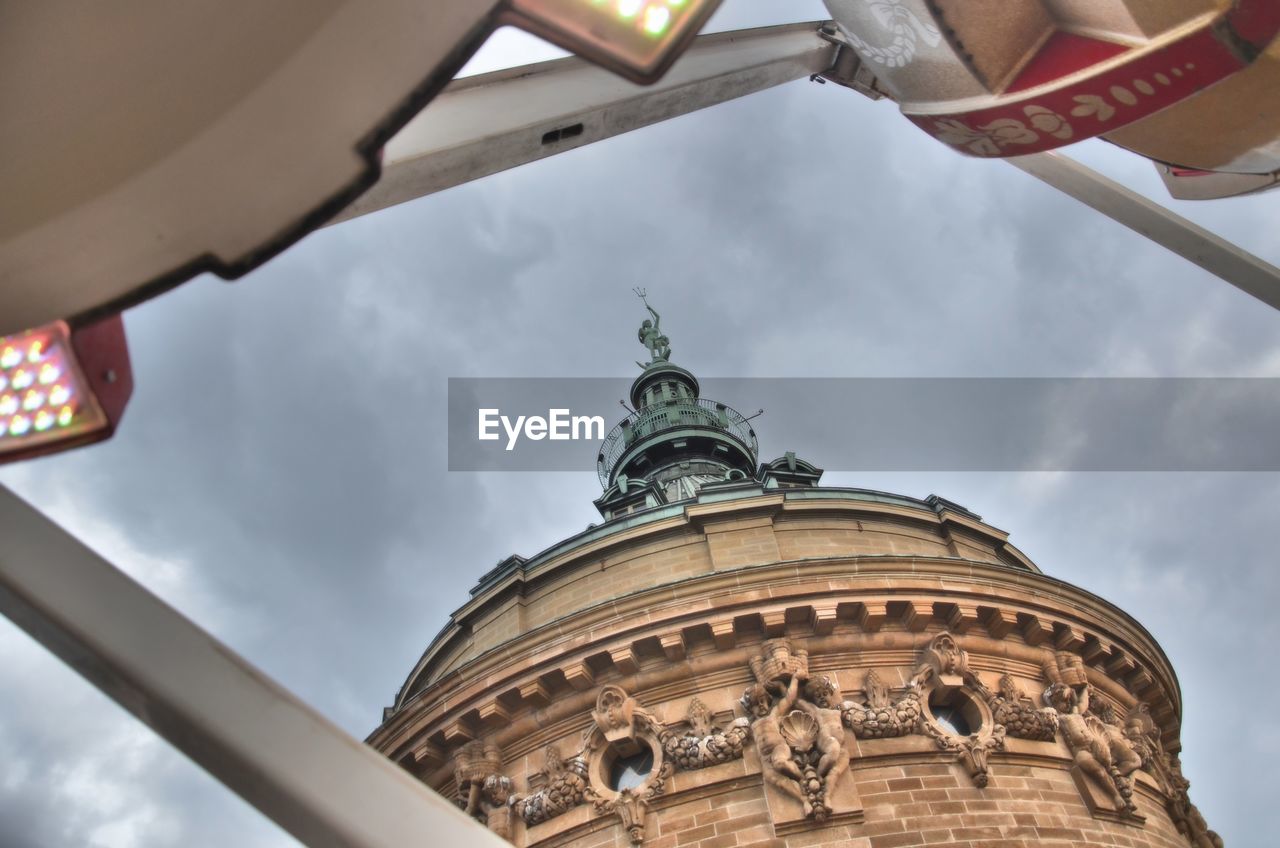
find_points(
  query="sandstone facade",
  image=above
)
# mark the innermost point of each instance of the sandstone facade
(800, 666)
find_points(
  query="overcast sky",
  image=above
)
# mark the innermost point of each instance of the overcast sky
(280, 473)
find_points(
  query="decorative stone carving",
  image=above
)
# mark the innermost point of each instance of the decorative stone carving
(971, 751)
(832, 755)
(943, 663)
(565, 788)
(624, 727)
(702, 744)
(483, 790)
(1100, 750)
(801, 743)
(801, 732)
(472, 763)
(1067, 669)
(1186, 817)
(1018, 714)
(495, 797)
(779, 663)
(630, 808)
(766, 728)
(619, 716)
(1144, 735)
(944, 670)
(880, 717)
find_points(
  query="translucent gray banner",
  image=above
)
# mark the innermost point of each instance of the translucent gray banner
(900, 424)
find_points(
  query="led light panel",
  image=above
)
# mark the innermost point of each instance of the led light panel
(636, 38)
(52, 388)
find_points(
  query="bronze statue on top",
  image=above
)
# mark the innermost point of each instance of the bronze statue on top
(650, 334)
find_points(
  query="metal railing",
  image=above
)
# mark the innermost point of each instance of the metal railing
(672, 415)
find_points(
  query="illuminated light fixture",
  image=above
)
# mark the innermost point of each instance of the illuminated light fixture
(32, 400)
(62, 387)
(638, 39)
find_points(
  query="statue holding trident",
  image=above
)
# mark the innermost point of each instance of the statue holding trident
(650, 334)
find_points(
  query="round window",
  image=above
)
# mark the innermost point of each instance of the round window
(955, 713)
(951, 720)
(628, 772)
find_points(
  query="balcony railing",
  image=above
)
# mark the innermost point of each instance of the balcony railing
(673, 415)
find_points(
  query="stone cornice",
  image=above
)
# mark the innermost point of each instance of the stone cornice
(693, 626)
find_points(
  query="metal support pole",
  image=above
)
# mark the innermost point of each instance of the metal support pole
(485, 124)
(298, 769)
(1214, 254)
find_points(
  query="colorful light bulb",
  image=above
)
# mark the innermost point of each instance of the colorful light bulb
(44, 420)
(10, 357)
(36, 352)
(65, 416)
(59, 395)
(48, 373)
(629, 8)
(656, 19)
(8, 404)
(33, 400)
(19, 425)
(22, 378)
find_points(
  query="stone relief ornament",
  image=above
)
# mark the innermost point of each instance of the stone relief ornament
(620, 716)
(1098, 745)
(971, 751)
(624, 727)
(565, 788)
(482, 788)
(944, 669)
(775, 754)
(801, 732)
(801, 743)
(697, 743)
(778, 663)
(880, 717)
(1144, 735)
(472, 763)
(1099, 749)
(630, 808)
(1109, 750)
(819, 703)
(1186, 817)
(1066, 668)
(495, 797)
(1018, 714)
(943, 662)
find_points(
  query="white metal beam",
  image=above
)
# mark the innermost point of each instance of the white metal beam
(311, 778)
(485, 124)
(1192, 242)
